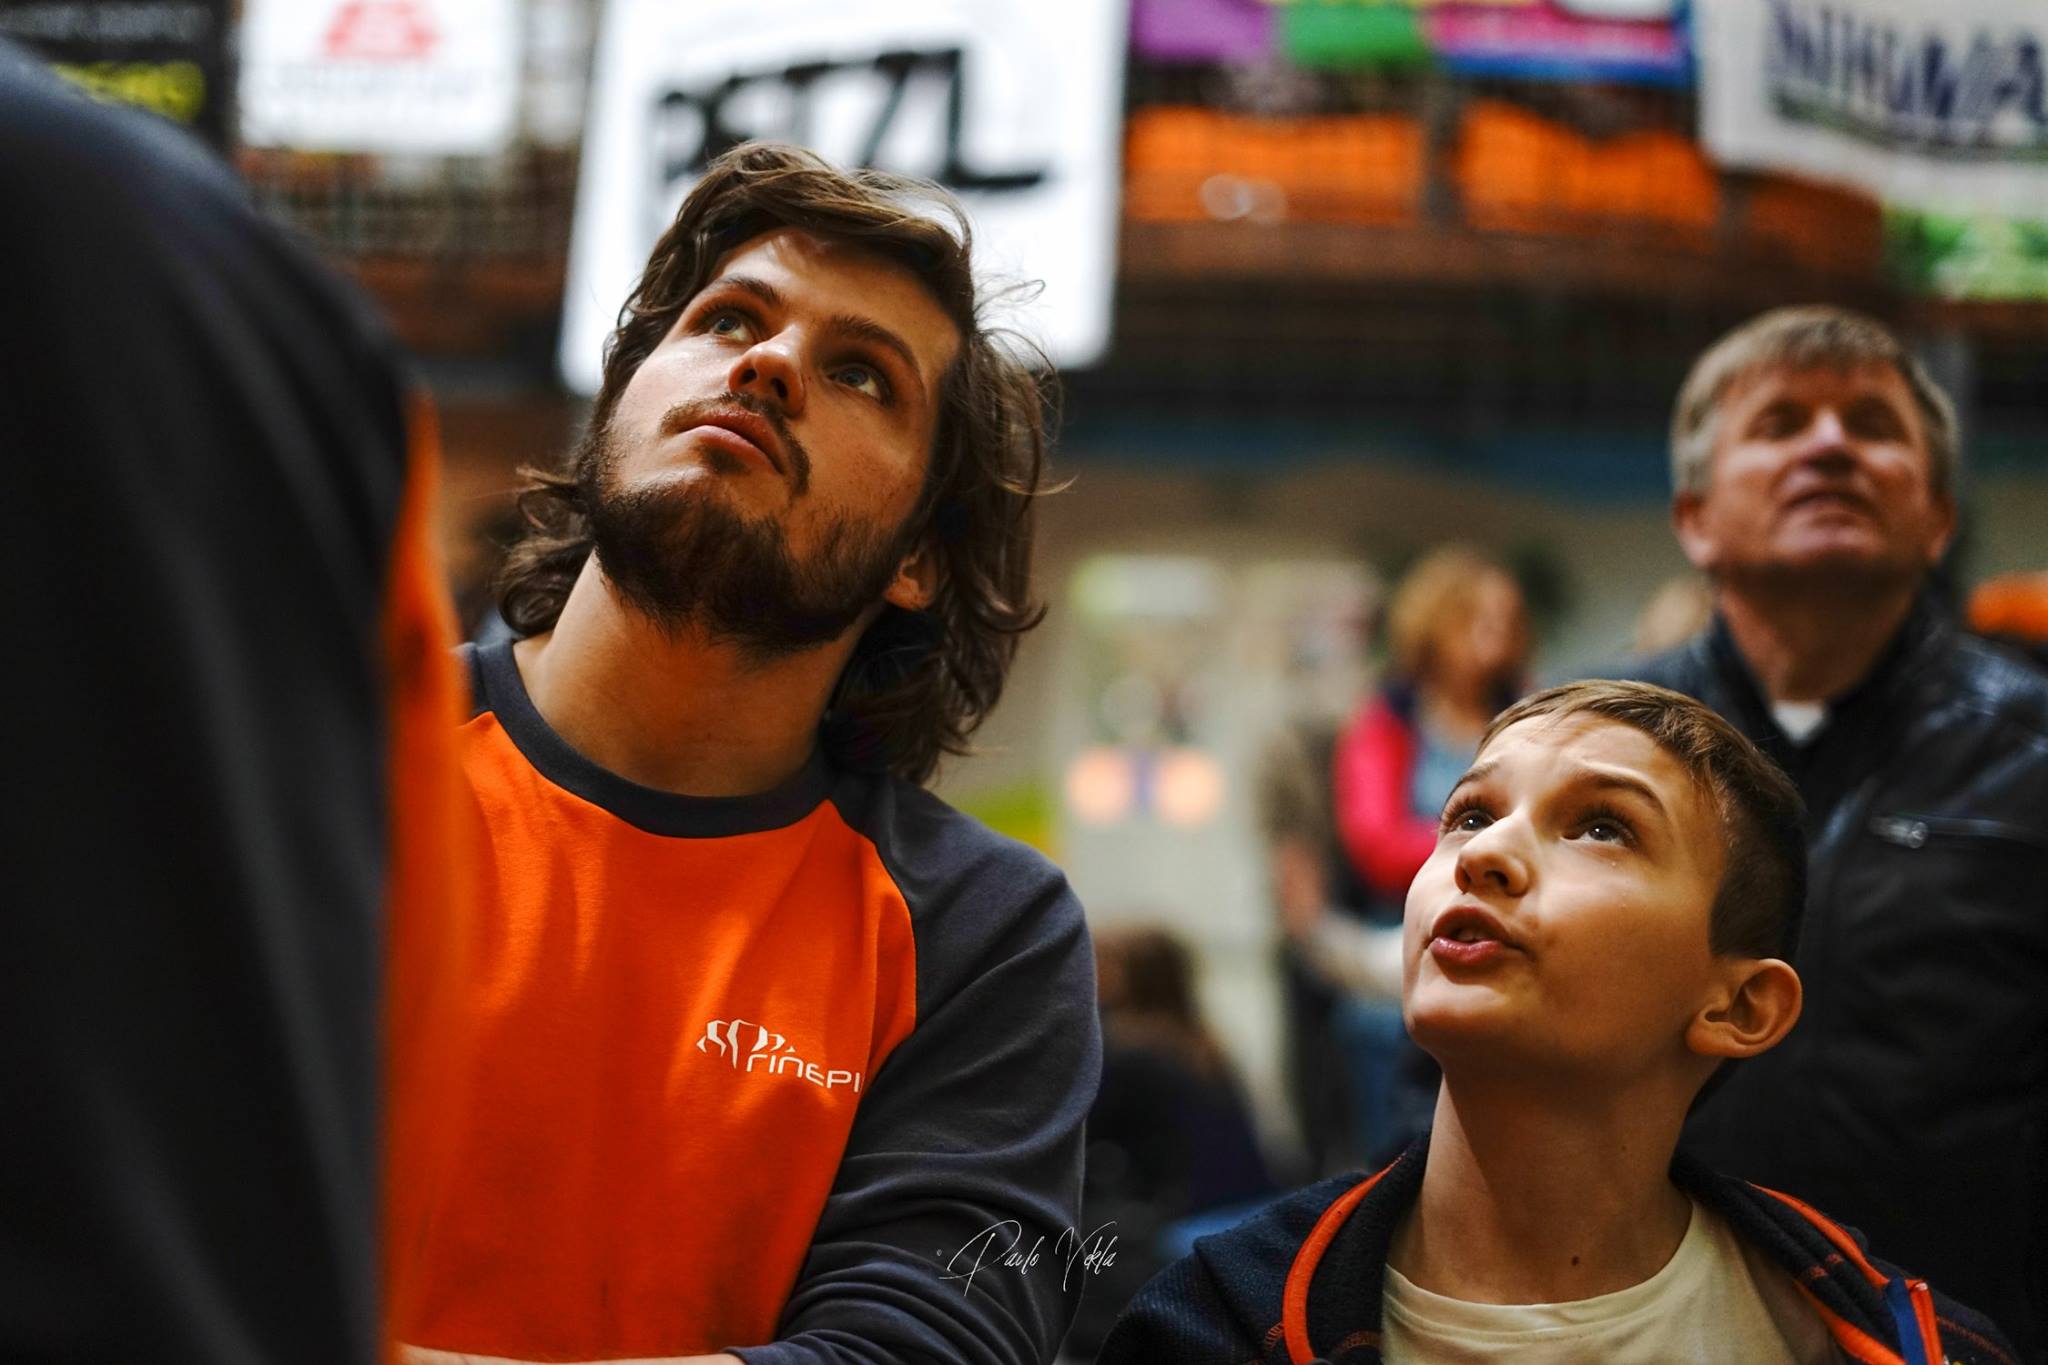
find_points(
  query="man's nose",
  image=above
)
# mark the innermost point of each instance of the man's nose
(770, 370)
(1827, 434)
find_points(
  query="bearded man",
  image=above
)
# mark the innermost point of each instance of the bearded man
(764, 1049)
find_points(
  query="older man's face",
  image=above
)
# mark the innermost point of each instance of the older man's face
(1817, 474)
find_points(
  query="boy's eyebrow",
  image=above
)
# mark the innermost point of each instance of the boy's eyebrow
(748, 284)
(1586, 774)
(1617, 780)
(1478, 772)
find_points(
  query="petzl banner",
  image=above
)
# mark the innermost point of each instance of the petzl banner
(1940, 105)
(1017, 109)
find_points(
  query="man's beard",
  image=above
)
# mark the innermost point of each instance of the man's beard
(683, 556)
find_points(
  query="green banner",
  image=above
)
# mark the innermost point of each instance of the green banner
(1967, 256)
(1343, 35)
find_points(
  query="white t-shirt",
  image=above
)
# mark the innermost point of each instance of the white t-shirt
(1800, 720)
(1714, 1301)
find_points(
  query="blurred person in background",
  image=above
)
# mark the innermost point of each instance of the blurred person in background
(1170, 1136)
(233, 697)
(1458, 632)
(1814, 469)
(764, 1044)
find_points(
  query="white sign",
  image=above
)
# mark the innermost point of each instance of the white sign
(429, 77)
(1016, 108)
(1939, 104)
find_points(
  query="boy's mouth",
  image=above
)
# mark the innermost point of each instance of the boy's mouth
(1467, 936)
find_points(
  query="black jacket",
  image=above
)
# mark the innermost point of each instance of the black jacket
(1912, 1097)
(1302, 1281)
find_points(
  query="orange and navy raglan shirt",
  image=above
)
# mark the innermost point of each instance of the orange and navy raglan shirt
(783, 1073)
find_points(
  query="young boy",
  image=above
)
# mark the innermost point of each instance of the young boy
(1604, 922)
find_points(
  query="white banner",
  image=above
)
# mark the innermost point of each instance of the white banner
(1939, 104)
(428, 77)
(1016, 108)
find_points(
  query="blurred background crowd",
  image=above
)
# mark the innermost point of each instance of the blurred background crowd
(1370, 316)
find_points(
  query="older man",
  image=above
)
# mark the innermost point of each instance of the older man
(1814, 467)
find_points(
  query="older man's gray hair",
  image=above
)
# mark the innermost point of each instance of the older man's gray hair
(1803, 338)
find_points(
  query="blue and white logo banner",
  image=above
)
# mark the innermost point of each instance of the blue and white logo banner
(1943, 104)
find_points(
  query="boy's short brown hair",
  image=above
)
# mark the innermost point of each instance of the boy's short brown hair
(1756, 912)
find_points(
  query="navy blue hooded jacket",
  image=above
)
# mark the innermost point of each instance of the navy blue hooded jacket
(1301, 1283)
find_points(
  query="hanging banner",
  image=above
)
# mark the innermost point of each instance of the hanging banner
(1017, 109)
(1352, 35)
(1238, 32)
(1922, 103)
(168, 56)
(1967, 256)
(1641, 41)
(426, 77)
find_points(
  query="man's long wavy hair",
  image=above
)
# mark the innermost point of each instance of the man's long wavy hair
(918, 683)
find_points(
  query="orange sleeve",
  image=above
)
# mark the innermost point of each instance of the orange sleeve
(429, 878)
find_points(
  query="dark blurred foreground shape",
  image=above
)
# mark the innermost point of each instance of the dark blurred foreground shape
(227, 647)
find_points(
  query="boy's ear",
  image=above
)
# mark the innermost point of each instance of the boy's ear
(1755, 1006)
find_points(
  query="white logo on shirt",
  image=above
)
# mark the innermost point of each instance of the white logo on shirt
(746, 1045)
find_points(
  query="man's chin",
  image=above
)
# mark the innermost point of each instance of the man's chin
(1847, 565)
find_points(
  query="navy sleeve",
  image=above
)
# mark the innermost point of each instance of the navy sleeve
(969, 1140)
(1179, 1317)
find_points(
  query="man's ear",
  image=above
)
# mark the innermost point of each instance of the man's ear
(1755, 1006)
(1944, 529)
(1687, 516)
(916, 582)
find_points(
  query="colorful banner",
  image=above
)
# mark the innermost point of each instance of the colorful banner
(1580, 40)
(1915, 102)
(1017, 109)
(1230, 32)
(1352, 34)
(168, 56)
(1968, 256)
(427, 77)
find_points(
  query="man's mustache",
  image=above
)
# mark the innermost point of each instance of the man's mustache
(698, 411)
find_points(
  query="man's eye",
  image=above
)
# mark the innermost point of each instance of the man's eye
(1781, 419)
(1875, 421)
(725, 323)
(866, 378)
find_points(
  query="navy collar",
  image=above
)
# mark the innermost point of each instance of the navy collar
(503, 692)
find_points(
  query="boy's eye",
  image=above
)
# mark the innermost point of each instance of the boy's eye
(1604, 827)
(1467, 818)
